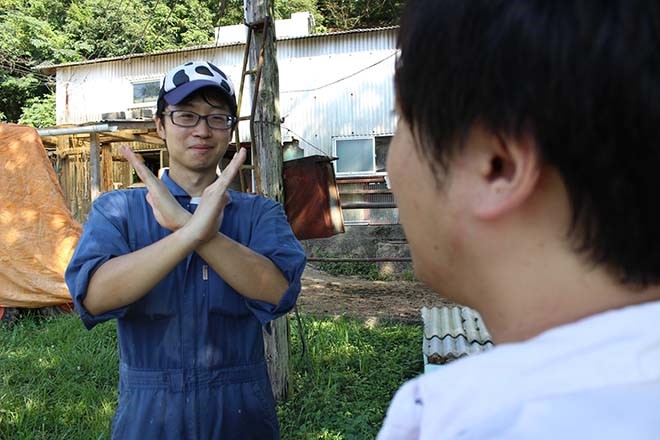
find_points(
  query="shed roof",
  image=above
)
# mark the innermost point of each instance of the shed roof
(50, 69)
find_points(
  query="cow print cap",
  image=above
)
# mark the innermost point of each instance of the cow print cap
(189, 77)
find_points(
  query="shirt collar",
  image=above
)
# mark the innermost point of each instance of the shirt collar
(177, 191)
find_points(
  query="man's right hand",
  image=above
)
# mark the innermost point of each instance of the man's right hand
(169, 214)
(208, 216)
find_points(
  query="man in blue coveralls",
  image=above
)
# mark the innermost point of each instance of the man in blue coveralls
(191, 271)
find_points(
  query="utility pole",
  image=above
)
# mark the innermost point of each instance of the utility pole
(267, 156)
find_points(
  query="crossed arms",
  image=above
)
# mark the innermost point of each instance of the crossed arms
(248, 272)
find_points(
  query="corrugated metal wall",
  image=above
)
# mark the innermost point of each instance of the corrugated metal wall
(86, 91)
(337, 86)
(330, 85)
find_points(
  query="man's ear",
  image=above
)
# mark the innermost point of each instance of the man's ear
(509, 168)
(160, 128)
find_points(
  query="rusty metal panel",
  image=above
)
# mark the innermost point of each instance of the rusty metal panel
(311, 199)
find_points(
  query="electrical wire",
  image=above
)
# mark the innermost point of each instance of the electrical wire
(14, 67)
(344, 78)
(305, 140)
(295, 134)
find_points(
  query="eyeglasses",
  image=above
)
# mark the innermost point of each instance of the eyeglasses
(185, 118)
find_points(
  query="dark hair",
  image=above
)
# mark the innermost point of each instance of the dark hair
(582, 77)
(208, 94)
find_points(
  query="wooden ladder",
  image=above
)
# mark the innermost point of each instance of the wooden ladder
(255, 93)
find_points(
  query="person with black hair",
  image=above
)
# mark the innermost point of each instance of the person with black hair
(192, 271)
(524, 166)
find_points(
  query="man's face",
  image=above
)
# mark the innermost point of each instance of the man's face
(426, 211)
(199, 148)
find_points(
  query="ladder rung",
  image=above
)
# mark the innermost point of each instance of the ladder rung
(245, 118)
(247, 167)
(256, 24)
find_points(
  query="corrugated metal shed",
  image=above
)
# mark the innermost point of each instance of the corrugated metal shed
(452, 332)
(335, 85)
(331, 85)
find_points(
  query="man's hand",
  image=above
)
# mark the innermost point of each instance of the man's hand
(205, 223)
(207, 219)
(169, 214)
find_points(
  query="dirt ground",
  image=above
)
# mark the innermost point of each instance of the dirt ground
(325, 294)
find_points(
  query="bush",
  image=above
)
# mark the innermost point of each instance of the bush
(39, 112)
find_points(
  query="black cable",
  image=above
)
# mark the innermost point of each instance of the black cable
(344, 78)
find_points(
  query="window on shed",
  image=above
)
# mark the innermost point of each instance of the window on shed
(382, 145)
(361, 171)
(361, 155)
(355, 155)
(145, 92)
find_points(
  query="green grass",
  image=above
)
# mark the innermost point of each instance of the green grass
(58, 381)
(353, 370)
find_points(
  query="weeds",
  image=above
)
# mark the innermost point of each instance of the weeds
(365, 270)
(355, 369)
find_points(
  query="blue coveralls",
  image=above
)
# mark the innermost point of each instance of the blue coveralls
(191, 351)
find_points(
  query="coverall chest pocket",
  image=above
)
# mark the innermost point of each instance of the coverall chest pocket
(224, 300)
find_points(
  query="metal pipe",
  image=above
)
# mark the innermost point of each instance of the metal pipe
(366, 205)
(94, 165)
(359, 260)
(76, 130)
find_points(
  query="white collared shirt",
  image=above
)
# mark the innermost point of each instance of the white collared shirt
(597, 378)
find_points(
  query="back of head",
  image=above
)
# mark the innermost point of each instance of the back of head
(582, 77)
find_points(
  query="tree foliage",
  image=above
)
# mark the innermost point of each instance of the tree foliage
(44, 32)
(359, 14)
(99, 28)
(39, 112)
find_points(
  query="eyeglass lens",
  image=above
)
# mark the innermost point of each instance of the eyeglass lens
(191, 119)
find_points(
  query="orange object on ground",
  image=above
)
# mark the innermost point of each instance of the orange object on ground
(37, 232)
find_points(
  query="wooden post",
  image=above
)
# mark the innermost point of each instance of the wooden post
(107, 175)
(95, 166)
(268, 154)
